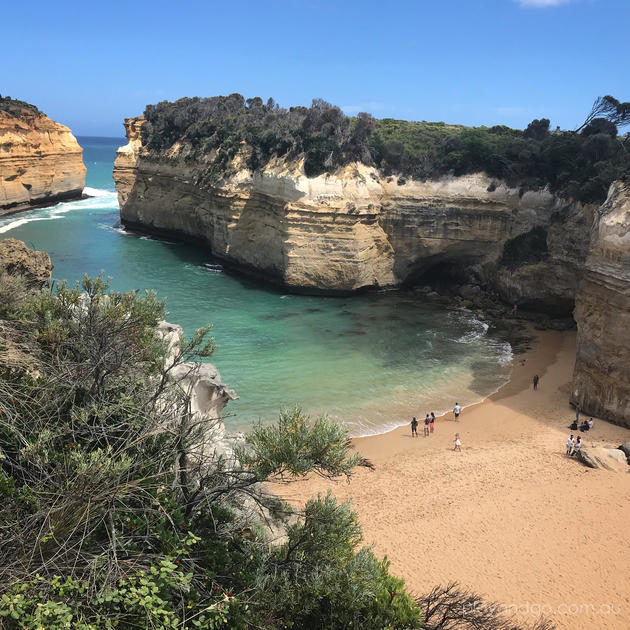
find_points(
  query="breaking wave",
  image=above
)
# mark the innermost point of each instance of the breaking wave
(98, 200)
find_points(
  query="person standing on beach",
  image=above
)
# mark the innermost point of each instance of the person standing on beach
(427, 422)
(414, 427)
(457, 410)
(536, 379)
(458, 443)
(570, 445)
(578, 445)
(432, 423)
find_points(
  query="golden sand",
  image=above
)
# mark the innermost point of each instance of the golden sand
(510, 516)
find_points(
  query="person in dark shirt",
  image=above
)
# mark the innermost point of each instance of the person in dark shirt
(414, 428)
(536, 379)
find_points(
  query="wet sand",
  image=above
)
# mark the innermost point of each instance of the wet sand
(510, 516)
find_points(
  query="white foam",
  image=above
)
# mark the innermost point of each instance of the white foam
(98, 200)
(480, 330)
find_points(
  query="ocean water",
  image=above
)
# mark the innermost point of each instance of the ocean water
(369, 361)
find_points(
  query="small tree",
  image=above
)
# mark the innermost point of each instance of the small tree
(537, 129)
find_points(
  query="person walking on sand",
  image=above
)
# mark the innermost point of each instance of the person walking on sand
(427, 422)
(536, 379)
(457, 410)
(458, 443)
(432, 423)
(570, 445)
(414, 428)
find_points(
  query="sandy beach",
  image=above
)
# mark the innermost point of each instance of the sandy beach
(510, 516)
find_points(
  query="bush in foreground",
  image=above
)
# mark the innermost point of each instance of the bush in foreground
(114, 517)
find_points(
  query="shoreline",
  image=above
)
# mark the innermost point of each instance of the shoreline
(510, 517)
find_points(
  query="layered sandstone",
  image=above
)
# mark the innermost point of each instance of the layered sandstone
(41, 162)
(354, 229)
(601, 382)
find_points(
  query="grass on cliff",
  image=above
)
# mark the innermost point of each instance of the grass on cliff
(214, 130)
(17, 108)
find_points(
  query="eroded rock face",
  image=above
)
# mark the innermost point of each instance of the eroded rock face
(41, 162)
(601, 380)
(201, 381)
(18, 259)
(355, 229)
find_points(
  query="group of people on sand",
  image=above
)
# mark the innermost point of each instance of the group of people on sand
(429, 426)
(574, 445)
(586, 425)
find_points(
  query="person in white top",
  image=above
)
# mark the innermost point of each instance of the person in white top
(458, 443)
(578, 445)
(570, 445)
(590, 423)
(457, 410)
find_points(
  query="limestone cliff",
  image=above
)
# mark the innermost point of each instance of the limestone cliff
(40, 161)
(601, 381)
(355, 229)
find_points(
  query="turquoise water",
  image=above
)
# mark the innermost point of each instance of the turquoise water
(370, 361)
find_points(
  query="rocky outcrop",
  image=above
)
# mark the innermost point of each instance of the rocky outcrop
(355, 229)
(41, 162)
(601, 380)
(607, 458)
(200, 381)
(215, 446)
(18, 259)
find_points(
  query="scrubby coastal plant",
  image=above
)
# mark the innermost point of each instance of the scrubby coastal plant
(578, 164)
(119, 511)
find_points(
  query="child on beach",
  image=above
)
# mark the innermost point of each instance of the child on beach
(427, 422)
(570, 445)
(432, 423)
(458, 443)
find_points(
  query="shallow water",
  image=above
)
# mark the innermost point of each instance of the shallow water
(370, 361)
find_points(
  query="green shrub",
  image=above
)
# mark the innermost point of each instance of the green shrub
(215, 130)
(113, 517)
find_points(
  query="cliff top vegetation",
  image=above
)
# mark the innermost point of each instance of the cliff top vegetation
(578, 164)
(17, 108)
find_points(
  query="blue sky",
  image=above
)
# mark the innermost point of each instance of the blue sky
(476, 62)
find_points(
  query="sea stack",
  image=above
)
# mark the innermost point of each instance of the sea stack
(41, 163)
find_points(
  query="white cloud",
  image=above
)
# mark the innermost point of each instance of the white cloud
(541, 4)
